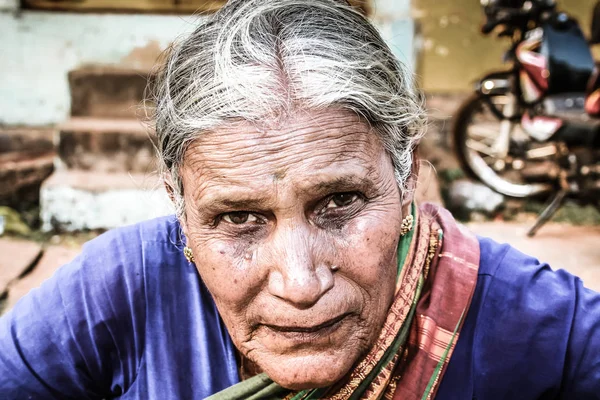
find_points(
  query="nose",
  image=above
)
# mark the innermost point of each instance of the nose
(297, 276)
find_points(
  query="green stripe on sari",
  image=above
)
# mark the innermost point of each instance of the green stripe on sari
(405, 241)
(259, 387)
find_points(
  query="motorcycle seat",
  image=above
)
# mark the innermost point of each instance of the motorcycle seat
(592, 100)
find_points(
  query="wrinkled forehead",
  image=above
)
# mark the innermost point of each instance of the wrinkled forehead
(319, 138)
(307, 150)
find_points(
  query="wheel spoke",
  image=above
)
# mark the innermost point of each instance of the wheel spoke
(480, 147)
(486, 130)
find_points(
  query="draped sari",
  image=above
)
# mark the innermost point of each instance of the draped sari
(437, 273)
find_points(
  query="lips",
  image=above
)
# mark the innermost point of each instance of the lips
(307, 329)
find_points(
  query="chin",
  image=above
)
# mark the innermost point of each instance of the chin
(309, 371)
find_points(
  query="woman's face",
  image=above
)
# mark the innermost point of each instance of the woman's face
(294, 230)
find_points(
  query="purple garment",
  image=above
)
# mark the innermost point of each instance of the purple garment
(531, 333)
(129, 317)
(120, 322)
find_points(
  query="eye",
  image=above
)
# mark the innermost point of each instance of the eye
(341, 200)
(239, 217)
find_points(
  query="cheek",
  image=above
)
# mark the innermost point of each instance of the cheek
(371, 244)
(227, 272)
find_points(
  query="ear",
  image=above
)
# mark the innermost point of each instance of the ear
(411, 183)
(169, 187)
(171, 193)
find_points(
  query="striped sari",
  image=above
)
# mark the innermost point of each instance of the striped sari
(437, 273)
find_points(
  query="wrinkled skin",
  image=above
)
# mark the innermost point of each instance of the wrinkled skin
(294, 229)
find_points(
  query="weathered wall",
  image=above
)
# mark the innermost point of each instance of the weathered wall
(394, 20)
(8, 5)
(452, 51)
(37, 49)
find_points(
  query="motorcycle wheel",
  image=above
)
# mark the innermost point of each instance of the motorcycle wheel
(475, 129)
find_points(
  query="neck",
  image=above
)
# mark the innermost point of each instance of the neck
(246, 368)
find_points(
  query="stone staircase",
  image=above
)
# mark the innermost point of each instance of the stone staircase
(105, 168)
(26, 159)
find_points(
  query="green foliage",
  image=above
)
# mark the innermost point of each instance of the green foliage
(13, 222)
(450, 175)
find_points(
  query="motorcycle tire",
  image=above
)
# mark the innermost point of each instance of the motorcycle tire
(473, 163)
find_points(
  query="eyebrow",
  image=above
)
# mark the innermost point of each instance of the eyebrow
(239, 201)
(237, 204)
(344, 184)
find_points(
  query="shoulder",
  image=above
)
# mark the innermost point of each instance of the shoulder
(117, 263)
(528, 317)
(520, 288)
(134, 245)
(531, 332)
(89, 318)
(522, 280)
(118, 260)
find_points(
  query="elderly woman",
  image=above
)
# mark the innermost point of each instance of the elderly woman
(297, 265)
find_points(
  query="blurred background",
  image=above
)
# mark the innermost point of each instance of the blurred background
(76, 157)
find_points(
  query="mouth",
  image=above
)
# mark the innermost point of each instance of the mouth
(308, 333)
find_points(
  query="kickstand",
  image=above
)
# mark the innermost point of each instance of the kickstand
(548, 212)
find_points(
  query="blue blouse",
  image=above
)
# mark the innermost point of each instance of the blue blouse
(120, 322)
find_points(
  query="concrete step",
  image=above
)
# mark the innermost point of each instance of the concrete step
(106, 145)
(21, 174)
(14, 139)
(26, 159)
(107, 92)
(76, 200)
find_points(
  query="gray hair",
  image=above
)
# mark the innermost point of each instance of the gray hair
(257, 60)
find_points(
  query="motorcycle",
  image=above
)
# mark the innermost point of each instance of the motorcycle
(533, 130)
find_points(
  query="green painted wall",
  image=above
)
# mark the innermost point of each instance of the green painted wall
(453, 53)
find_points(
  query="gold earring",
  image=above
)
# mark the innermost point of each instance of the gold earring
(187, 252)
(407, 225)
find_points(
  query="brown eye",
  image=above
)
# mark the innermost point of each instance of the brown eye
(341, 200)
(239, 217)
